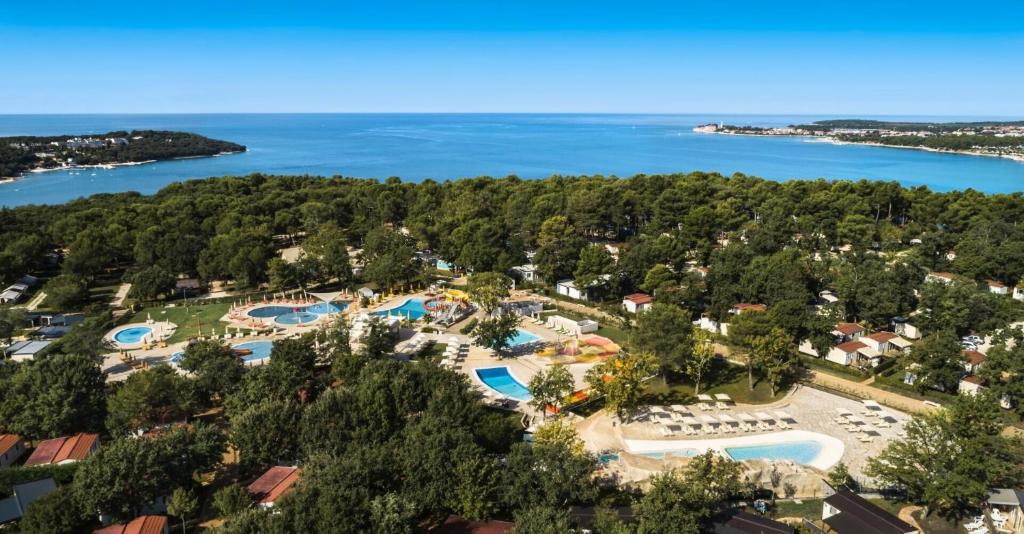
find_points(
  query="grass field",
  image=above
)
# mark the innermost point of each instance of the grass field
(722, 378)
(188, 318)
(619, 335)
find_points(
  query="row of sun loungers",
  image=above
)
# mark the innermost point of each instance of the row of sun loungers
(455, 353)
(692, 425)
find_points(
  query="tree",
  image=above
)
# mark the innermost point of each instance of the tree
(489, 290)
(216, 368)
(665, 331)
(607, 521)
(54, 396)
(336, 347)
(658, 278)
(265, 434)
(550, 387)
(11, 319)
(377, 341)
(937, 362)
(65, 292)
(839, 477)
(561, 433)
(389, 258)
(680, 502)
(57, 513)
(620, 379)
(496, 333)
(950, 458)
(558, 249)
(182, 504)
(149, 398)
(151, 282)
(548, 474)
(231, 500)
(392, 514)
(594, 264)
(283, 275)
(1006, 359)
(542, 520)
(774, 355)
(702, 355)
(329, 250)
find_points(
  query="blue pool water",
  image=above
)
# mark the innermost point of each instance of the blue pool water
(260, 349)
(177, 356)
(135, 334)
(291, 315)
(499, 379)
(608, 457)
(443, 265)
(661, 455)
(411, 308)
(801, 452)
(523, 337)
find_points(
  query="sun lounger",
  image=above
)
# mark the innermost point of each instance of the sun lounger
(721, 406)
(867, 439)
(783, 425)
(665, 431)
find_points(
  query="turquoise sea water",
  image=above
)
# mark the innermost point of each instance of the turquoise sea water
(444, 146)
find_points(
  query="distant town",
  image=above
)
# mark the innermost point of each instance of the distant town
(1001, 139)
(22, 154)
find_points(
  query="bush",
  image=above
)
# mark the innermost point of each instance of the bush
(468, 329)
(834, 368)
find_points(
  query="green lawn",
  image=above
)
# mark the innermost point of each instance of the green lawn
(615, 333)
(723, 378)
(187, 318)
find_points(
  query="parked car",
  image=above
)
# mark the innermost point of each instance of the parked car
(967, 345)
(973, 339)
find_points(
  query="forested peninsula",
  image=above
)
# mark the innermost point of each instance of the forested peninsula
(1004, 139)
(22, 154)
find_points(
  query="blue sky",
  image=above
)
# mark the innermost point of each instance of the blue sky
(865, 57)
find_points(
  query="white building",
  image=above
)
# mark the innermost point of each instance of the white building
(637, 302)
(526, 272)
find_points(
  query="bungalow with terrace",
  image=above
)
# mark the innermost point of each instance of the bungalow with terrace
(64, 450)
(972, 360)
(905, 327)
(744, 307)
(853, 353)
(879, 341)
(23, 351)
(526, 272)
(844, 332)
(746, 523)
(845, 512)
(567, 288)
(1018, 293)
(144, 524)
(271, 485)
(11, 448)
(1008, 501)
(971, 385)
(941, 277)
(997, 287)
(637, 302)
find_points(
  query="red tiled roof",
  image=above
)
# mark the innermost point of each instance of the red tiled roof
(746, 306)
(8, 442)
(145, 524)
(639, 298)
(849, 328)
(974, 379)
(882, 337)
(274, 483)
(942, 274)
(974, 357)
(53, 451)
(851, 346)
(995, 283)
(458, 525)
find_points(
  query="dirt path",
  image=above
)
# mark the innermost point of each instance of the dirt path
(865, 391)
(122, 293)
(907, 514)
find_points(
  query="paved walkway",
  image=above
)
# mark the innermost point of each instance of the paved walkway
(36, 301)
(122, 293)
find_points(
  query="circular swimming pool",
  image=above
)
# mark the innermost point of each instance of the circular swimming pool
(256, 350)
(293, 315)
(296, 318)
(132, 335)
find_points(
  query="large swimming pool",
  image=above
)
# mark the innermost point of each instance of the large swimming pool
(500, 379)
(260, 350)
(801, 452)
(133, 335)
(292, 315)
(410, 309)
(522, 337)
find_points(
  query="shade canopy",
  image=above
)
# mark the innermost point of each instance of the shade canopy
(705, 397)
(723, 397)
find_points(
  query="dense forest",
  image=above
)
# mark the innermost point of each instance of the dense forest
(938, 142)
(20, 154)
(937, 127)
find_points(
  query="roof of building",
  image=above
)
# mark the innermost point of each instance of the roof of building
(457, 525)
(942, 274)
(857, 515)
(851, 346)
(973, 379)
(8, 442)
(583, 516)
(57, 450)
(974, 357)
(995, 283)
(639, 298)
(881, 337)
(900, 342)
(849, 328)
(26, 348)
(273, 484)
(144, 524)
(25, 494)
(746, 306)
(1006, 497)
(744, 523)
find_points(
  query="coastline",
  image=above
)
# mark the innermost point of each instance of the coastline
(832, 140)
(40, 170)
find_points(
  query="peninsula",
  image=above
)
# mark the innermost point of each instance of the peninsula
(22, 154)
(1002, 139)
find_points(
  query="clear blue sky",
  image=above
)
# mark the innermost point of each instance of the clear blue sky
(842, 57)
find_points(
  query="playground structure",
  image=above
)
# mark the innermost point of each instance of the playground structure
(586, 349)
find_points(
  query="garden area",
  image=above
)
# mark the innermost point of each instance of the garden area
(722, 377)
(189, 318)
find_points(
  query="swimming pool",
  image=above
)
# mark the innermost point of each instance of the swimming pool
(661, 455)
(410, 309)
(522, 337)
(133, 335)
(801, 452)
(260, 350)
(608, 458)
(500, 379)
(292, 315)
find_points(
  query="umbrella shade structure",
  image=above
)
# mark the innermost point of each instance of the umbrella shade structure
(887, 416)
(657, 409)
(784, 416)
(708, 420)
(723, 397)
(691, 421)
(703, 397)
(764, 416)
(871, 405)
(727, 419)
(844, 412)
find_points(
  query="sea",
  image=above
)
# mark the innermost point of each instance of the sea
(415, 147)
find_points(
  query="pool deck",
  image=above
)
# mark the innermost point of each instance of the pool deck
(159, 329)
(831, 448)
(814, 411)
